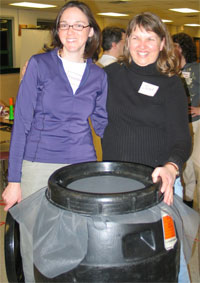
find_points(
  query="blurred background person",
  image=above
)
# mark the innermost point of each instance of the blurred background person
(113, 40)
(190, 72)
(196, 164)
(3, 107)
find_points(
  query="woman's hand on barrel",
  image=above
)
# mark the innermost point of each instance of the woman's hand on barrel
(12, 195)
(168, 176)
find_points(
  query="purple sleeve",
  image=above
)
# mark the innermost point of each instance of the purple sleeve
(99, 118)
(24, 111)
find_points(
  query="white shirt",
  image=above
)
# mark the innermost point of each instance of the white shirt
(74, 72)
(106, 60)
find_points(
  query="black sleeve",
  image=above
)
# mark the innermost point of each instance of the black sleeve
(177, 123)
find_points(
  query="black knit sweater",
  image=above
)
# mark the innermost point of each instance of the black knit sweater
(149, 130)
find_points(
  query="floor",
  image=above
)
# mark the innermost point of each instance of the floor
(194, 264)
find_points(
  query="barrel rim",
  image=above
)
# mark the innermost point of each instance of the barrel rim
(87, 203)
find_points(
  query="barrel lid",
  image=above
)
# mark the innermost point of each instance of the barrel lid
(67, 188)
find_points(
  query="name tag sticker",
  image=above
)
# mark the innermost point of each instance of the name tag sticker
(186, 75)
(148, 89)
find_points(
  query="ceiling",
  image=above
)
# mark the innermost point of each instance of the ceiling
(160, 7)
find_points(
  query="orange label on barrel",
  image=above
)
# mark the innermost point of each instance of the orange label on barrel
(169, 229)
(169, 232)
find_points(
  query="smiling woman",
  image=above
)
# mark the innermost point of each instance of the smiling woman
(144, 46)
(60, 90)
(89, 29)
(147, 108)
(74, 31)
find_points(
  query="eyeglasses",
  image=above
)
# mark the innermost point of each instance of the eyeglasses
(78, 27)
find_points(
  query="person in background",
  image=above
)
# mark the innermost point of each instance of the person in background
(60, 90)
(190, 71)
(2, 106)
(113, 40)
(196, 164)
(147, 107)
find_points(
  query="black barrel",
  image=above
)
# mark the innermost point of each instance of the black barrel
(119, 252)
(13, 260)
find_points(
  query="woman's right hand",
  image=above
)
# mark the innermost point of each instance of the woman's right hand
(11, 195)
(168, 175)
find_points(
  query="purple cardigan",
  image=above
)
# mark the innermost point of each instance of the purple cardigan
(51, 123)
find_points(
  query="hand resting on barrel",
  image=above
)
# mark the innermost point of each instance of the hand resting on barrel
(168, 175)
(12, 195)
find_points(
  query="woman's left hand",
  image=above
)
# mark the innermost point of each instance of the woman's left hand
(168, 175)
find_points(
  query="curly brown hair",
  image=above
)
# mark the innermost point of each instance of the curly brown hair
(187, 45)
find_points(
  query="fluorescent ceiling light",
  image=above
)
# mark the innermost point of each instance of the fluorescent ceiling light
(184, 10)
(192, 25)
(32, 5)
(166, 21)
(113, 14)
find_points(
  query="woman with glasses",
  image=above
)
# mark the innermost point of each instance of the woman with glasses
(60, 90)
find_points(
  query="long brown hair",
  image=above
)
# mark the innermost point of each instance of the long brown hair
(167, 61)
(93, 44)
